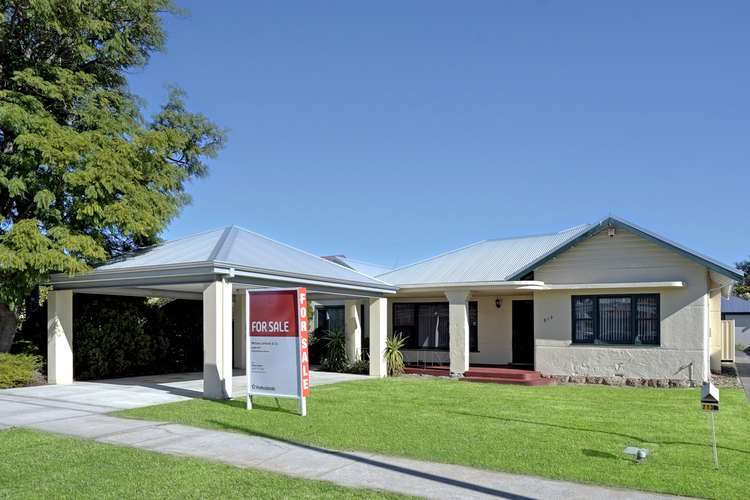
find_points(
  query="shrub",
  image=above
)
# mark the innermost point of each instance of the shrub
(119, 336)
(394, 358)
(17, 370)
(359, 367)
(334, 359)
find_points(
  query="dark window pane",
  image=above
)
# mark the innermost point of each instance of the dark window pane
(404, 323)
(583, 315)
(335, 318)
(647, 319)
(432, 324)
(473, 327)
(615, 326)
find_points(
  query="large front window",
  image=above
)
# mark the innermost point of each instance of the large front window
(616, 319)
(424, 325)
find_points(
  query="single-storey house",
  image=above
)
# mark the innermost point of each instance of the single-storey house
(738, 309)
(608, 299)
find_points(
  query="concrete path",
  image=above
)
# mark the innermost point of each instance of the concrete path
(104, 396)
(742, 362)
(78, 410)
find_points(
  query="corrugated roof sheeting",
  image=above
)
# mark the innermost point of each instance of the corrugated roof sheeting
(196, 248)
(237, 247)
(735, 305)
(490, 260)
(250, 249)
(364, 267)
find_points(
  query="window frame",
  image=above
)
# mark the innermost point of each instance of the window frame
(473, 332)
(633, 318)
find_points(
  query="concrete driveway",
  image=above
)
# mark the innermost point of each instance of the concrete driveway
(30, 405)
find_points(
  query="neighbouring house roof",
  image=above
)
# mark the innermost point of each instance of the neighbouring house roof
(513, 258)
(489, 260)
(735, 305)
(239, 249)
(362, 267)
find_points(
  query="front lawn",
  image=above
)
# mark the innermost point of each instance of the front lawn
(575, 433)
(41, 465)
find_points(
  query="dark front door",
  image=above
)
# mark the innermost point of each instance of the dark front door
(523, 332)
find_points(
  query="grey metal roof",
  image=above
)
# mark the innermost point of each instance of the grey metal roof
(511, 259)
(735, 304)
(241, 249)
(489, 260)
(360, 266)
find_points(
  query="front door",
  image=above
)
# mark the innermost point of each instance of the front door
(523, 332)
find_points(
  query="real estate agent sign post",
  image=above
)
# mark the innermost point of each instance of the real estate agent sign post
(277, 359)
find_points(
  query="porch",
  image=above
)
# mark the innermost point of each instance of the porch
(485, 374)
(463, 331)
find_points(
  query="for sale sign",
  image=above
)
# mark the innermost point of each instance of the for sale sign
(277, 358)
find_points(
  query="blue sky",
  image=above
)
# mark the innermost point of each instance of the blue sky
(391, 131)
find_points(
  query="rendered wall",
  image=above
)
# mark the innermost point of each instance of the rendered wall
(624, 258)
(714, 306)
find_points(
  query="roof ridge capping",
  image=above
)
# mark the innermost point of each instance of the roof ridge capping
(579, 227)
(317, 257)
(613, 221)
(139, 251)
(428, 259)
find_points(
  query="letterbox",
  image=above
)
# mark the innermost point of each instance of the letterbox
(710, 397)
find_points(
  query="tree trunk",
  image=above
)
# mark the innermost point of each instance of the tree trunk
(8, 327)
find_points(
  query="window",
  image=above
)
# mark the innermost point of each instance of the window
(331, 318)
(424, 325)
(616, 319)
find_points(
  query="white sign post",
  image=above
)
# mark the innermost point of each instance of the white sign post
(277, 361)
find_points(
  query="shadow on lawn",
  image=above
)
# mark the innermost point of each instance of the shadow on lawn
(371, 461)
(235, 403)
(631, 437)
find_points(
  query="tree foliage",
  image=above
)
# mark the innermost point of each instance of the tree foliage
(83, 174)
(743, 289)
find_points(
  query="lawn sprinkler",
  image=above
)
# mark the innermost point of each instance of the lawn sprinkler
(639, 454)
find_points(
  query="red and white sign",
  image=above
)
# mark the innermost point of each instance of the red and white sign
(277, 357)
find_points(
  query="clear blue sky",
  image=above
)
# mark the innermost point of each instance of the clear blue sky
(391, 131)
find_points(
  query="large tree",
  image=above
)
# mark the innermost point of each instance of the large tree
(743, 289)
(83, 174)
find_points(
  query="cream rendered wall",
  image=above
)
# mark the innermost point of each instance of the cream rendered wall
(714, 339)
(495, 339)
(624, 258)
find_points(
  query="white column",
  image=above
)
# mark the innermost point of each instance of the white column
(60, 337)
(217, 340)
(458, 331)
(239, 334)
(353, 328)
(378, 334)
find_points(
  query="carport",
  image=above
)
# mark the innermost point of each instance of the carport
(216, 267)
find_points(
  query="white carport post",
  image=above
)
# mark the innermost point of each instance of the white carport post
(60, 337)
(353, 328)
(217, 340)
(458, 330)
(378, 335)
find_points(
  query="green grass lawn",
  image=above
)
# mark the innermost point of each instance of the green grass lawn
(564, 432)
(40, 465)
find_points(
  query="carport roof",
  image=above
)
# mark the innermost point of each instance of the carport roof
(231, 250)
